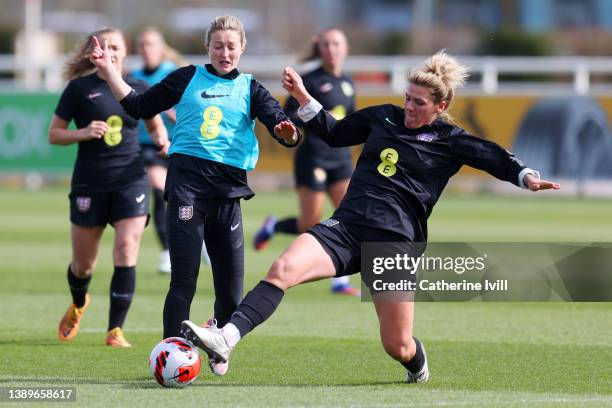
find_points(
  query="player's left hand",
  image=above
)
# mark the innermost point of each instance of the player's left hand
(535, 184)
(163, 144)
(286, 131)
(163, 150)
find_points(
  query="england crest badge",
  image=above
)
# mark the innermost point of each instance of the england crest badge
(83, 204)
(425, 137)
(185, 212)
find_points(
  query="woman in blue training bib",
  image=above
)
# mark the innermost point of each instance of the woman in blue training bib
(213, 147)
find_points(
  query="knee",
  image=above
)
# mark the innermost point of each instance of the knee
(82, 268)
(399, 348)
(280, 273)
(122, 253)
(125, 250)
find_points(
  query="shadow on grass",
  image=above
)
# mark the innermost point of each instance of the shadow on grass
(146, 383)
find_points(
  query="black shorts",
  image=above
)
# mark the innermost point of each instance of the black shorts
(151, 157)
(99, 209)
(319, 178)
(342, 242)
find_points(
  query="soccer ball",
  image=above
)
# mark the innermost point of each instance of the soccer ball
(175, 362)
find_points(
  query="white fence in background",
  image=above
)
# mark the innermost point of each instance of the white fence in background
(570, 75)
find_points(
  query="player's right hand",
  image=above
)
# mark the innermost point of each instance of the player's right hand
(95, 130)
(292, 83)
(100, 57)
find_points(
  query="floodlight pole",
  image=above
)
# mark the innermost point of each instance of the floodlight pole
(32, 27)
(422, 26)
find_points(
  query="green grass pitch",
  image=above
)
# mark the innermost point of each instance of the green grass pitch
(318, 349)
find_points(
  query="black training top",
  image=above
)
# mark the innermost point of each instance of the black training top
(402, 172)
(337, 96)
(193, 176)
(112, 161)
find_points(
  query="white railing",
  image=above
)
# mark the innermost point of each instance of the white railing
(393, 70)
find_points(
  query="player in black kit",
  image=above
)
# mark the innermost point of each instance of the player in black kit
(408, 156)
(109, 184)
(319, 168)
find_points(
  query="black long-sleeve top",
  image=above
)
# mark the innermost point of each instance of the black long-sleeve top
(402, 172)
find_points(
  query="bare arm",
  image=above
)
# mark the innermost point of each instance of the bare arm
(60, 135)
(158, 133)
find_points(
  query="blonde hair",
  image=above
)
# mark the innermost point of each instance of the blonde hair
(222, 23)
(78, 64)
(440, 73)
(170, 54)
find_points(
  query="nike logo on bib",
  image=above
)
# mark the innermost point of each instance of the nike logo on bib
(207, 96)
(233, 227)
(140, 198)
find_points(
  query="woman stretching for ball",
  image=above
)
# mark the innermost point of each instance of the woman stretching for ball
(408, 156)
(109, 183)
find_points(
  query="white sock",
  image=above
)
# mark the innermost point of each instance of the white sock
(341, 281)
(231, 334)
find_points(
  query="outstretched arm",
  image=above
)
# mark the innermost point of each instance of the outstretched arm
(497, 161)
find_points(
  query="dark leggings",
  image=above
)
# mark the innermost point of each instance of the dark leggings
(190, 221)
(159, 217)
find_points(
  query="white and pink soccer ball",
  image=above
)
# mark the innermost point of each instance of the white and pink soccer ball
(175, 362)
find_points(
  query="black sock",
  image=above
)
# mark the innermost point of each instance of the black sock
(256, 307)
(121, 293)
(416, 363)
(287, 226)
(78, 288)
(159, 217)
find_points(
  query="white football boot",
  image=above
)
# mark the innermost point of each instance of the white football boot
(217, 367)
(209, 339)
